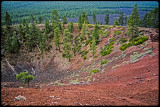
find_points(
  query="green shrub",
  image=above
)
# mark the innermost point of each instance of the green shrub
(90, 26)
(25, 77)
(104, 62)
(83, 53)
(84, 57)
(122, 40)
(117, 32)
(105, 34)
(134, 42)
(93, 71)
(108, 49)
(124, 46)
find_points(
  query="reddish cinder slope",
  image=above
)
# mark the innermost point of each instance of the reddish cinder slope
(129, 84)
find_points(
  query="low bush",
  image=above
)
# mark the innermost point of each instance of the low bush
(108, 49)
(90, 26)
(134, 42)
(124, 46)
(93, 71)
(122, 40)
(83, 53)
(104, 62)
(105, 34)
(117, 32)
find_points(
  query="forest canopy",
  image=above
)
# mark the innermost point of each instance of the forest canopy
(22, 9)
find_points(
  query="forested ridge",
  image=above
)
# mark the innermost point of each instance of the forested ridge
(22, 9)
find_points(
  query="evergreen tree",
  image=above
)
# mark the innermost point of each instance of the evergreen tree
(80, 23)
(55, 20)
(83, 35)
(67, 51)
(31, 18)
(151, 19)
(26, 28)
(8, 44)
(107, 19)
(121, 19)
(40, 19)
(76, 45)
(15, 43)
(116, 23)
(95, 34)
(56, 38)
(67, 44)
(8, 20)
(133, 22)
(23, 21)
(71, 27)
(125, 20)
(86, 19)
(94, 18)
(65, 20)
(47, 29)
(93, 46)
(28, 43)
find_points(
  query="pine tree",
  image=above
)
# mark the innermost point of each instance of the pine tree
(8, 20)
(76, 45)
(94, 18)
(31, 18)
(56, 38)
(93, 46)
(8, 44)
(55, 20)
(95, 34)
(23, 21)
(83, 35)
(40, 19)
(71, 27)
(107, 19)
(67, 44)
(15, 43)
(28, 43)
(116, 23)
(133, 22)
(80, 23)
(125, 20)
(65, 20)
(121, 19)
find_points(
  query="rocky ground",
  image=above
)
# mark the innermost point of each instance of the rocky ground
(122, 81)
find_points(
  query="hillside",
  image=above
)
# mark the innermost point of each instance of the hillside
(129, 77)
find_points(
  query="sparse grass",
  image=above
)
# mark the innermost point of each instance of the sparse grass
(74, 81)
(125, 62)
(104, 62)
(20, 87)
(58, 83)
(115, 66)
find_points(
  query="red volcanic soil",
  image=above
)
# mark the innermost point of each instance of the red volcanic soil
(131, 84)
